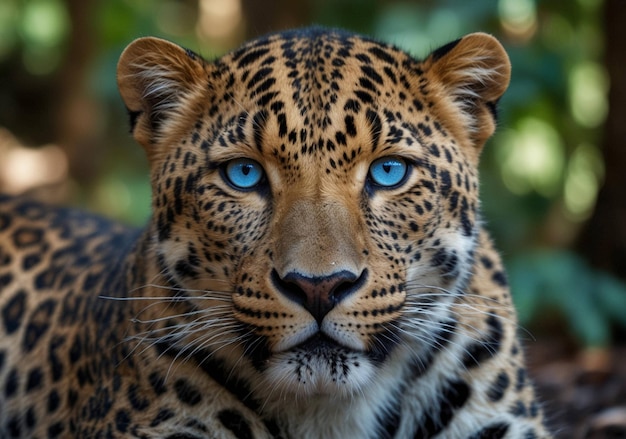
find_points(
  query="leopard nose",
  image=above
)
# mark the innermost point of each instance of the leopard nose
(318, 294)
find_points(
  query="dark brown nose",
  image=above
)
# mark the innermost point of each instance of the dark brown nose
(318, 294)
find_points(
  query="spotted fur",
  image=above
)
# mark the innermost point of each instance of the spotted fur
(320, 300)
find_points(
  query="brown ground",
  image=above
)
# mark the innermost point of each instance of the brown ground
(584, 391)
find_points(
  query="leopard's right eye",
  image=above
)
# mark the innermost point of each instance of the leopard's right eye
(243, 174)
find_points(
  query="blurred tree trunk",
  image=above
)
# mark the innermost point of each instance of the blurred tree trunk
(78, 129)
(603, 240)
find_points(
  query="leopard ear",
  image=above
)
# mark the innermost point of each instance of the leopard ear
(473, 72)
(159, 82)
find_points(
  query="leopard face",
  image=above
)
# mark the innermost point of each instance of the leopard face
(316, 199)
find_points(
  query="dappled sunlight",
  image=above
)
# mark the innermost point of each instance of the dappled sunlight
(518, 18)
(218, 20)
(582, 181)
(588, 88)
(23, 169)
(532, 157)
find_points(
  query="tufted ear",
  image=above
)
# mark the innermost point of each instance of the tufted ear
(158, 80)
(474, 73)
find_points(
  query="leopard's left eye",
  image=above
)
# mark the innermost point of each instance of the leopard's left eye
(243, 173)
(388, 172)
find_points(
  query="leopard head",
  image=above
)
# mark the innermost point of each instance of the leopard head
(315, 198)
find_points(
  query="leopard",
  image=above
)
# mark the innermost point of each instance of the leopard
(314, 265)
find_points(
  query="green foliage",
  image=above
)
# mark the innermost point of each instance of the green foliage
(552, 283)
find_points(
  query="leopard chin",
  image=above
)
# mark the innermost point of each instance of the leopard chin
(317, 367)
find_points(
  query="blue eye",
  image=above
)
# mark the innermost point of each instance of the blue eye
(243, 173)
(388, 171)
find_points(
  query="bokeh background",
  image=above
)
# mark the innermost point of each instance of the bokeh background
(553, 177)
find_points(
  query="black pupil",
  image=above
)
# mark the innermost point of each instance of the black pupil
(387, 167)
(245, 169)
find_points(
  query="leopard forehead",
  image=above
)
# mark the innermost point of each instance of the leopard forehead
(315, 103)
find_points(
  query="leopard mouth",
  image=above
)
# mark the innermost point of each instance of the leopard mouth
(319, 365)
(323, 346)
(320, 347)
(320, 344)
